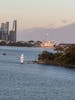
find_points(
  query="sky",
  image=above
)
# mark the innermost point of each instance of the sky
(38, 13)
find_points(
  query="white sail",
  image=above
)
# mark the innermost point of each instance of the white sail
(22, 59)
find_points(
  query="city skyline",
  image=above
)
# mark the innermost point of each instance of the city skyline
(6, 34)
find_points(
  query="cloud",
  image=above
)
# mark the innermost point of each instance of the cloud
(64, 21)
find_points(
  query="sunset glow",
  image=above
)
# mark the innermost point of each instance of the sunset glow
(38, 13)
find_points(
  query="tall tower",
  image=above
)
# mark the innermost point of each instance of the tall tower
(14, 29)
(15, 25)
(2, 31)
(6, 30)
(12, 34)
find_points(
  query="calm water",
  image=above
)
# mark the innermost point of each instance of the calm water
(32, 81)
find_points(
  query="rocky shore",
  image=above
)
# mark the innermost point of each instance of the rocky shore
(63, 59)
(55, 64)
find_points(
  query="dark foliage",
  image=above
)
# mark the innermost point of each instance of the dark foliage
(66, 58)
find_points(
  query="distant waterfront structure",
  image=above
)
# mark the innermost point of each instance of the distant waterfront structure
(6, 34)
(48, 44)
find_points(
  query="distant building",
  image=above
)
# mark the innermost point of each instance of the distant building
(48, 44)
(7, 35)
(6, 30)
(12, 36)
(12, 33)
(2, 31)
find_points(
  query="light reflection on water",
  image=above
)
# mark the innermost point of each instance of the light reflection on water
(33, 81)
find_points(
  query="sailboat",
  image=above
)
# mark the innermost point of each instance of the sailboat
(22, 59)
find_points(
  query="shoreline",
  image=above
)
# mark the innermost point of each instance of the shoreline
(55, 64)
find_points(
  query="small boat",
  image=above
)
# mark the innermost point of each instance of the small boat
(4, 54)
(22, 59)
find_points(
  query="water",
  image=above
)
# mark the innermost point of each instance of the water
(30, 81)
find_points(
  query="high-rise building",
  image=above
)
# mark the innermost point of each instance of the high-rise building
(15, 26)
(15, 29)
(12, 35)
(2, 31)
(7, 35)
(6, 30)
